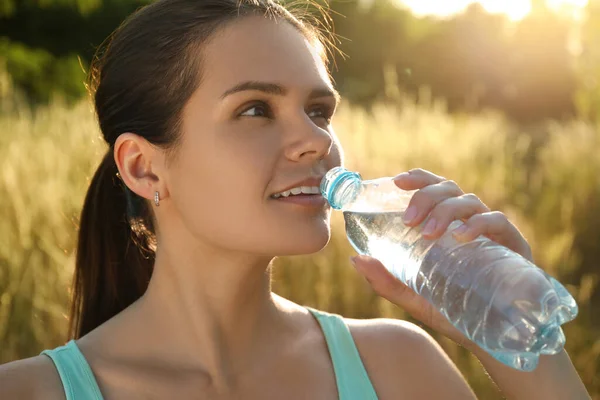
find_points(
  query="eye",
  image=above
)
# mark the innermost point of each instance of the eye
(259, 109)
(321, 111)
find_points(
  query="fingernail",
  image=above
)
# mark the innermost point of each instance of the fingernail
(353, 261)
(402, 175)
(460, 230)
(429, 227)
(410, 214)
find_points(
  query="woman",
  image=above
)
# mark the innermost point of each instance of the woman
(210, 108)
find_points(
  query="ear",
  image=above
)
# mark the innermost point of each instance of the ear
(140, 165)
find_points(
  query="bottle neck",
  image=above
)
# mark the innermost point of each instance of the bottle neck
(340, 187)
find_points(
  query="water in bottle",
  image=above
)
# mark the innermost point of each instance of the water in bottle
(497, 298)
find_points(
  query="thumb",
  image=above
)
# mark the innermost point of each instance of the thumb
(387, 286)
(382, 281)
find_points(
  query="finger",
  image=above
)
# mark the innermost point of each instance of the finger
(393, 290)
(383, 282)
(424, 200)
(452, 209)
(417, 179)
(496, 226)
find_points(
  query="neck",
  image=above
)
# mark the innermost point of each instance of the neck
(215, 309)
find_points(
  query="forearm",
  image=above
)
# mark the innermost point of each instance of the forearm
(554, 378)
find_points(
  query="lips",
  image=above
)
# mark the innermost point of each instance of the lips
(304, 193)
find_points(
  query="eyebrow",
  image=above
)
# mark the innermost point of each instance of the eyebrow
(273, 88)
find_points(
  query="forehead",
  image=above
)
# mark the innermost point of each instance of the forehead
(261, 49)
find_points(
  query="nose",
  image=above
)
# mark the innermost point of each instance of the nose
(310, 142)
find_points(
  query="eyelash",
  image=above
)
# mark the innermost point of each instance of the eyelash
(326, 111)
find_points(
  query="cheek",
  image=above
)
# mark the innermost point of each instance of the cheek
(218, 186)
(229, 166)
(220, 193)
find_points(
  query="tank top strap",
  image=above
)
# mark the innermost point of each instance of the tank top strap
(75, 373)
(351, 376)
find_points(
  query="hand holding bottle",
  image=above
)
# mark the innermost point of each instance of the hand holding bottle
(438, 202)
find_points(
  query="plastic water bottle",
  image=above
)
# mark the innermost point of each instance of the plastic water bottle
(494, 296)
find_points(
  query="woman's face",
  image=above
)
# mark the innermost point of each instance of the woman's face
(258, 124)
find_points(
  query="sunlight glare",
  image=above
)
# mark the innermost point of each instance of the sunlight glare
(513, 9)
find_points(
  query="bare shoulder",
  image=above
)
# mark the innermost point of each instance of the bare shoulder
(30, 379)
(404, 361)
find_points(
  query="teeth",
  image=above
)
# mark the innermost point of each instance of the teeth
(298, 190)
(310, 190)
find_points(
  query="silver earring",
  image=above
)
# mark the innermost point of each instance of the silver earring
(156, 199)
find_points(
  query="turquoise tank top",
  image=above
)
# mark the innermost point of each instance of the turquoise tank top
(352, 380)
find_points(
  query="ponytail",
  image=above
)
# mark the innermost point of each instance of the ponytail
(115, 251)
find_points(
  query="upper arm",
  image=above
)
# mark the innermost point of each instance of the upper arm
(30, 379)
(404, 361)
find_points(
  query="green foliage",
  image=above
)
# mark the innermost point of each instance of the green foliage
(40, 74)
(474, 60)
(7, 7)
(48, 45)
(83, 6)
(10, 7)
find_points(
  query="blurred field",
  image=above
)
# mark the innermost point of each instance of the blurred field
(546, 178)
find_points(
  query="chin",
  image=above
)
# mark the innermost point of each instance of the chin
(301, 244)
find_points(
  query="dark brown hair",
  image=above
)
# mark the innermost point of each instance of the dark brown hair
(140, 81)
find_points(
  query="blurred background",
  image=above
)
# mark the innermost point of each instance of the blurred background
(502, 96)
